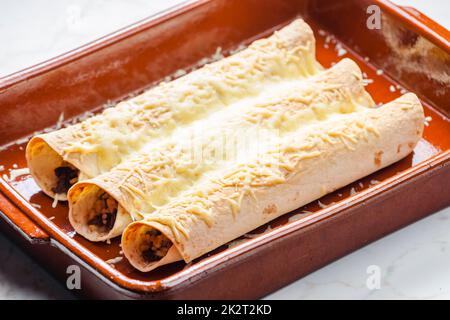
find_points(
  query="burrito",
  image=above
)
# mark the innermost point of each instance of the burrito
(303, 166)
(101, 208)
(59, 159)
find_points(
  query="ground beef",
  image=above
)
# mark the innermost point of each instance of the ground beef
(150, 256)
(104, 212)
(67, 176)
(155, 246)
(105, 220)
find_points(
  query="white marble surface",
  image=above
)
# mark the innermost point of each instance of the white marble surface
(414, 262)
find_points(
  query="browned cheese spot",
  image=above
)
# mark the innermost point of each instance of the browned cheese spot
(377, 158)
(270, 209)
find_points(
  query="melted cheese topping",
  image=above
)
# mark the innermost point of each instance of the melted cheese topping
(118, 132)
(160, 172)
(242, 179)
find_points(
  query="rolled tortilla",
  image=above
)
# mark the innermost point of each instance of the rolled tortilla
(60, 158)
(310, 163)
(151, 178)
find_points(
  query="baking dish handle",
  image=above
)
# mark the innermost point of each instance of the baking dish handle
(21, 223)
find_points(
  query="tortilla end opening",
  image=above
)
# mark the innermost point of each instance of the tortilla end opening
(94, 212)
(145, 246)
(51, 172)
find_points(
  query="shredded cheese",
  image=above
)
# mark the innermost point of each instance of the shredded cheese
(114, 260)
(126, 128)
(55, 201)
(240, 180)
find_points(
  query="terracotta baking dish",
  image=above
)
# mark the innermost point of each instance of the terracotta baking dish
(413, 53)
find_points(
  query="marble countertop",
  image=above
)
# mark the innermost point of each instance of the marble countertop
(412, 263)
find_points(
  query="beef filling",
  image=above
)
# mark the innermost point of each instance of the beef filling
(67, 176)
(104, 212)
(155, 246)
